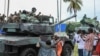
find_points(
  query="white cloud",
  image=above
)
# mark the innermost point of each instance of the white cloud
(88, 8)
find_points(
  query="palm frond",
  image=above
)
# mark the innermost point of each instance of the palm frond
(70, 8)
(74, 5)
(78, 7)
(79, 2)
(66, 0)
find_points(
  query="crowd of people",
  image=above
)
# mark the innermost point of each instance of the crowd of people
(21, 16)
(88, 42)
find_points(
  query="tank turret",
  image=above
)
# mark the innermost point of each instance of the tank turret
(87, 22)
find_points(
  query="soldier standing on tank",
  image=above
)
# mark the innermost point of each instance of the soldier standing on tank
(15, 17)
(34, 15)
(23, 16)
(10, 18)
(2, 18)
(33, 11)
(32, 19)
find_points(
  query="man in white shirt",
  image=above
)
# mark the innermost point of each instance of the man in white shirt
(78, 39)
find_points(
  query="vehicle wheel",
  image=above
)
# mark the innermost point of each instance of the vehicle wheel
(67, 50)
(28, 52)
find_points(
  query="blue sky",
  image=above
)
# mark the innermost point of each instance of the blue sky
(48, 7)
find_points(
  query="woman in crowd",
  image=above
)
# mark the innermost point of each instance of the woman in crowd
(59, 45)
(98, 45)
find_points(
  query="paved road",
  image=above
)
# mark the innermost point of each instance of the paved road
(72, 54)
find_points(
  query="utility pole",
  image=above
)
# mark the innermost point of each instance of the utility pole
(4, 7)
(8, 8)
(58, 10)
(60, 15)
(94, 9)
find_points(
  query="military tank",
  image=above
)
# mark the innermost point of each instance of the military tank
(83, 24)
(19, 39)
(87, 22)
(42, 27)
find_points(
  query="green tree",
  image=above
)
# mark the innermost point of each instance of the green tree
(74, 6)
(71, 27)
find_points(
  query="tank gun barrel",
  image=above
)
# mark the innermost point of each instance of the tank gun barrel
(65, 19)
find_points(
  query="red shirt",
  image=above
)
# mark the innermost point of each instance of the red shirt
(59, 48)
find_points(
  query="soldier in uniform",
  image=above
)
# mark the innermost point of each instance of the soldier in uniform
(23, 16)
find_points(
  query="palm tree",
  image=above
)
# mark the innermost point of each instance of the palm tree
(74, 6)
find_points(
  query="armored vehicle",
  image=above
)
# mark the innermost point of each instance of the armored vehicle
(19, 39)
(84, 24)
(87, 22)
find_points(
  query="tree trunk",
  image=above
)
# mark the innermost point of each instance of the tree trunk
(75, 12)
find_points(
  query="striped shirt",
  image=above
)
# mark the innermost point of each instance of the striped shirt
(89, 42)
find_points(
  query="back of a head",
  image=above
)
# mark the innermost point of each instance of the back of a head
(48, 42)
(83, 32)
(79, 31)
(56, 37)
(94, 31)
(90, 30)
(33, 9)
(24, 12)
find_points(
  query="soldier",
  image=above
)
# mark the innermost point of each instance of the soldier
(10, 18)
(33, 19)
(33, 11)
(23, 16)
(2, 18)
(16, 18)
